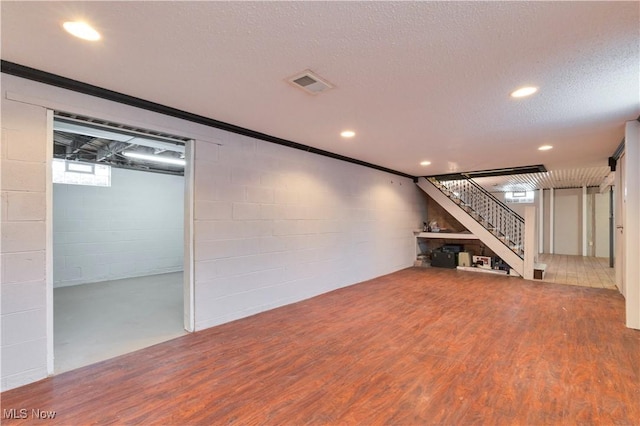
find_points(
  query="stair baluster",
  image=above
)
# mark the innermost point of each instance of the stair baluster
(486, 209)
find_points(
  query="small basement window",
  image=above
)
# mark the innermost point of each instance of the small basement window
(519, 197)
(78, 173)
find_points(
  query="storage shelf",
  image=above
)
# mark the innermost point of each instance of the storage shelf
(441, 236)
(446, 235)
(486, 271)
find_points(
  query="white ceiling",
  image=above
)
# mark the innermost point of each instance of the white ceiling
(564, 178)
(416, 80)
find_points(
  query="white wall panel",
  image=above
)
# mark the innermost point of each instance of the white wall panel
(601, 234)
(568, 222)
(631, 223)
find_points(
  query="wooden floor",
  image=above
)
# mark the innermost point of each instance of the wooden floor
(421, 346)
(578, 270)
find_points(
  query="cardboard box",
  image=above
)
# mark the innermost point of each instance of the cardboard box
(464, 259)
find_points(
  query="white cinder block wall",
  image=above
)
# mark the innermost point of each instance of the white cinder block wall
(132, 228)
(24, 327)
(273, 225)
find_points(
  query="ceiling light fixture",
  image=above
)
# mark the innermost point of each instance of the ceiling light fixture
(545, 148)
(524, 91)
(348, 134)
(81, 30)
(425, 163)
(155, 158)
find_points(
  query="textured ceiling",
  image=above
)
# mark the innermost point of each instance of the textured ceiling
(416, 80)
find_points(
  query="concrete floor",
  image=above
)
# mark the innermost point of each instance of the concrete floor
(98, 321)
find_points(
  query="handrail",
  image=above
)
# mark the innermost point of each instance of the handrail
(487, 193)
(495, 199)
(486, 209)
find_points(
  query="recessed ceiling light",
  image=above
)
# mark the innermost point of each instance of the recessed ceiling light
(524, 91)
(425, 163)
(545, 148)
(348, 134)
(81, 30)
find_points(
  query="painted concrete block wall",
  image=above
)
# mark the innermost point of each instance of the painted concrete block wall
(23, 215)
(133, 228)
(275, 225)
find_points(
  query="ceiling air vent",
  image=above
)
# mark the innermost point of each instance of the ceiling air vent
(310, 82)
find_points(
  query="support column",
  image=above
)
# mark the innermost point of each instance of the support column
(540, 220)
(530, 249)
(551, 212)
(585, 246)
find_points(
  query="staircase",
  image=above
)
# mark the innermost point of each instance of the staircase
(496, 225)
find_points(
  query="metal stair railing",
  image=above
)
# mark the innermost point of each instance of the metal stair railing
(486, 209)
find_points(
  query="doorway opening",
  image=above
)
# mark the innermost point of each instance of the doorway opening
(120, 233)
